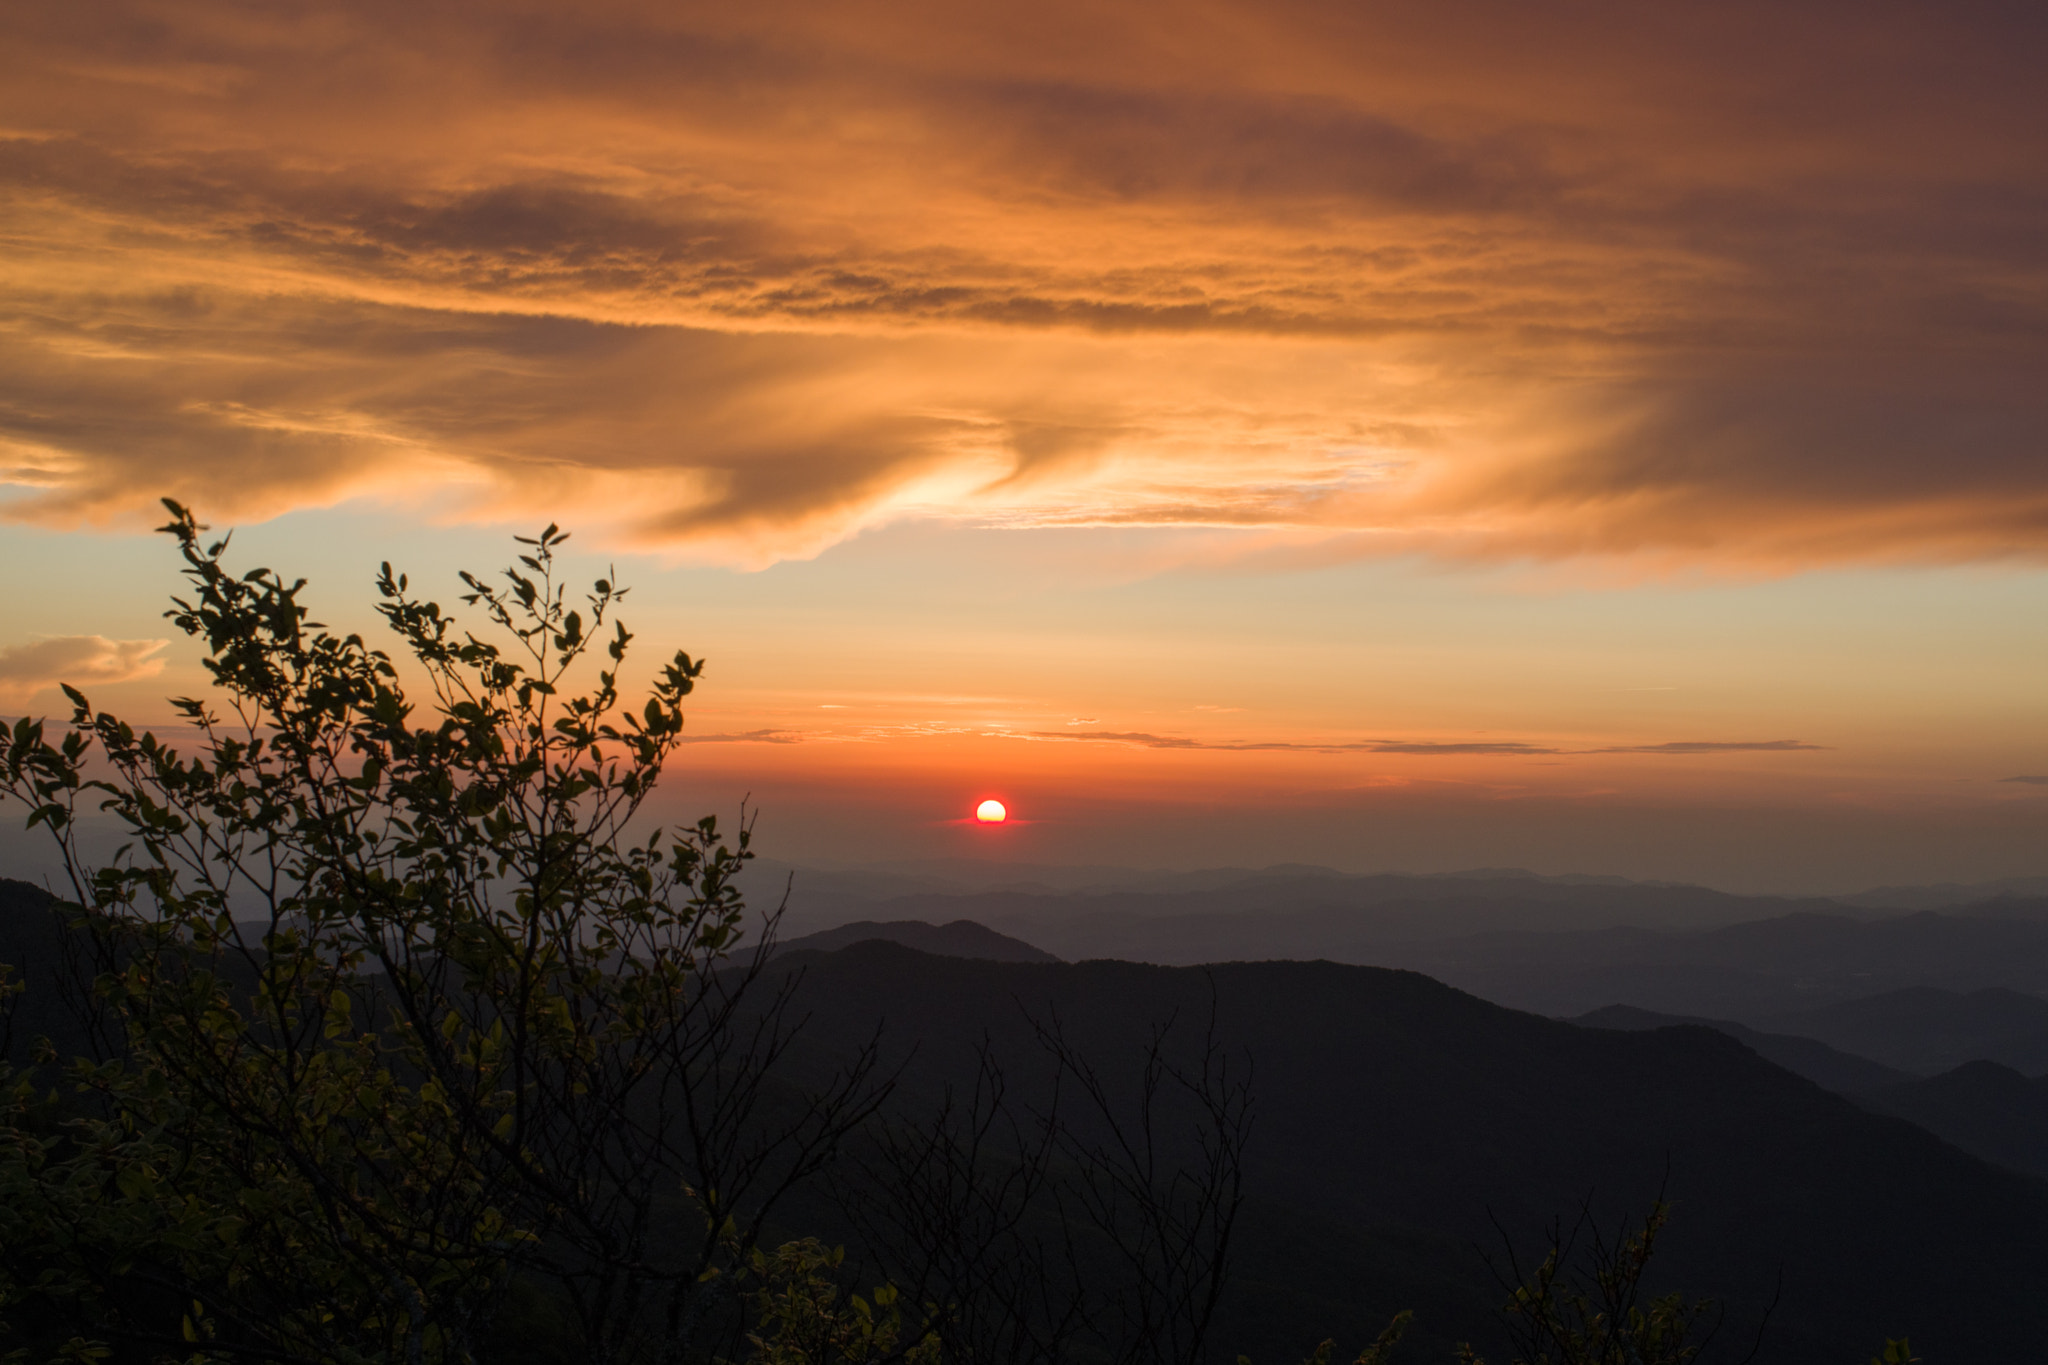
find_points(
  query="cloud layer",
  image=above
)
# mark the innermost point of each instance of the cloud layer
(1505, 748)
(1740, 285)
(80, 660)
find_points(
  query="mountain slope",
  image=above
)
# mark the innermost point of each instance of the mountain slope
(1986, 1109)
(1830, 1069)
(1392, 1106)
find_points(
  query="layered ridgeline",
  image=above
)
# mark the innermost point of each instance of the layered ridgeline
(1919, 1002)
(1399, 1120)
(1553, 945)
(1402, 1125)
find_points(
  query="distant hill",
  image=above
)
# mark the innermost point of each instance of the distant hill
(1986, 1109)
(1826, 1067)
(1555, 946)
(961, 938)
(1947, 895)
(1343, 919)
(1759, 972)
(1103, 912)
(1398, 1118)
(1925, 1030)
(964, 876)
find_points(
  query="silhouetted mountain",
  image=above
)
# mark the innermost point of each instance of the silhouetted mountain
(1986, 1109)
(1396, 1112)
(42, 952)
(1826, 1067)
(1924, 1030)
(961, 938)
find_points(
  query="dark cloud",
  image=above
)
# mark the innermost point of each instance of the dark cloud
(1135, 144)
(2039, 781)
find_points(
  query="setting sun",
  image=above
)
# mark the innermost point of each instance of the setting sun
(991, 813)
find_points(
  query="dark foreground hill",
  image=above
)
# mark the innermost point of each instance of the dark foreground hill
(54, 962)
(1400, 1119)
(1986, 1109)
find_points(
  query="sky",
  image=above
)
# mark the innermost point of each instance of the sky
(1587, 437)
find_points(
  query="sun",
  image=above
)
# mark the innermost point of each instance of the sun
(991, 813)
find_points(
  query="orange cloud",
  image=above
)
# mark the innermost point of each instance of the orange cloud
(80, 660)
(1426, 748)
(1738, 286)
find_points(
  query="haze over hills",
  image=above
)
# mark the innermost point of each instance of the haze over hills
(1948, 895)
(1925, 1030)
(1559, 946)
(1755, 972)
(1286, 910)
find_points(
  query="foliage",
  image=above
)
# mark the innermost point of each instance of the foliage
(406, 991)
(807, 1317)
(1377, 1353)
(1602, 1316)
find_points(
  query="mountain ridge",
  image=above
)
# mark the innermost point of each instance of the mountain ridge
(1392, 1101)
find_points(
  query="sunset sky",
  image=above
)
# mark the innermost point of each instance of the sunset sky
(1398, 436)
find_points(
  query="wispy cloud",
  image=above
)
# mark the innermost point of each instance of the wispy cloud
(1695, 746)
(746, 737)
(1423, 747)
(80, 660)
(2037, 781)
(1149, 741)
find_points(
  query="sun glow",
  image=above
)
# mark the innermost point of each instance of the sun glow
(991, 813)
